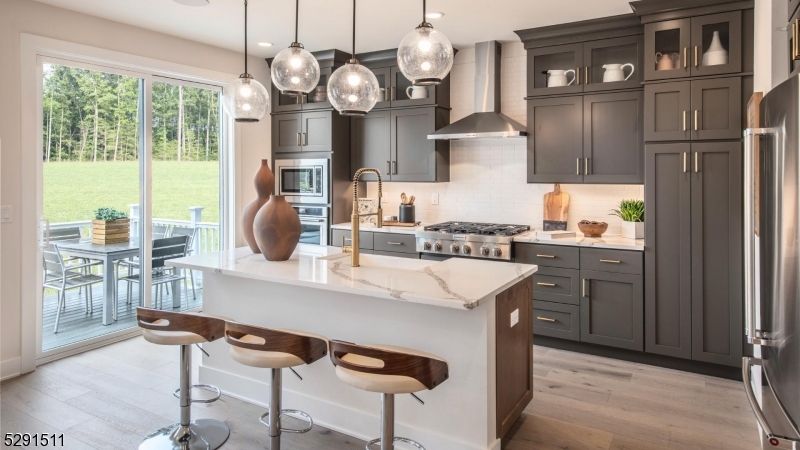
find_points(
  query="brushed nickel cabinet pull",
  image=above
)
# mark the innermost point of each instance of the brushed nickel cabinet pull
(684, 162)
(394, 243)
(795, 44)
(586, 75)
(542, 283)
(696, 163)
(684, 120)
(545, 256)
(695, 56)
(586, 166)
(685, 58)
(583, 288)
(612, 261)
(545, 319)
(695, 120)
(577, 166)
(392, 97)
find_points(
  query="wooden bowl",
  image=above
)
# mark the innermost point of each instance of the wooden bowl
(592, 229)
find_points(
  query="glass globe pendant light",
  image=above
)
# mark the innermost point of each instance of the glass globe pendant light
(295, 71)
(245, 99)
(425, 56)
(353, 89)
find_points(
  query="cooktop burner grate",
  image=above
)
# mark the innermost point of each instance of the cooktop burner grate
(485, 229)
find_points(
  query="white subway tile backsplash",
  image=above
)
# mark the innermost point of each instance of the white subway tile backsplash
(488, 178)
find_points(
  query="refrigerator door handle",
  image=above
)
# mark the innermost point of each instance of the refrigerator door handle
(747, 363)
(753, 335)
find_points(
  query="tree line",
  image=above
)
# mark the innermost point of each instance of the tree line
(92, 116)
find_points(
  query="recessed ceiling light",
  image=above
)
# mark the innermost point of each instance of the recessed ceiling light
(192, 2)
(434, 15)
(266, 44)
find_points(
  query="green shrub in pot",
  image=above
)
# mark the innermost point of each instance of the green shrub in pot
(632, 214)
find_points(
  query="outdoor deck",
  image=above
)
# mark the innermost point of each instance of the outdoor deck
(77, 324)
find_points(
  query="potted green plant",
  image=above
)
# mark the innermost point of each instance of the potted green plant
(632, 214)
(110, 226)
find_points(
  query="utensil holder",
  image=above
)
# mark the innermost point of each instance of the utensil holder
(407, 214)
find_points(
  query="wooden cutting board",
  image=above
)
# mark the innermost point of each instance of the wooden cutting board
(556, 206)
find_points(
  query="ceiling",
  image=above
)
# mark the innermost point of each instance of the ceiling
(326, 24)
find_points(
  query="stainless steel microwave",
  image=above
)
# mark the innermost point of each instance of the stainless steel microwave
(302, 180)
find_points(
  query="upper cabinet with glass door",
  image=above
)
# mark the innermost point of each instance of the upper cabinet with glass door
(329, 61)
(697, 46)
(396, 90)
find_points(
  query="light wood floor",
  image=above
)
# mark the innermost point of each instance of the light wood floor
(111, 397)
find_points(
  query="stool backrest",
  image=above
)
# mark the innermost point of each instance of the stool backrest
(431, 372)
(307, 348)
(211, 328)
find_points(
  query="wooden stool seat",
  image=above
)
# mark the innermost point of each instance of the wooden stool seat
(266, 359)
(386, 384)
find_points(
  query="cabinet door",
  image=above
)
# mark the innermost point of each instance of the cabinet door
(384, 77)
(286, 133)
(717, 109)
(793, 34)
(317, 134)
(671, 40)
(413, 155)
(284, 103)
(318, 97)
(667, 255)
(611, 309)
(717, 44)
(370, 138)
(613, 142)
(403, 94)
(668, 115)
(717, 252)
(541, 61)
(793, 4)
(555, 140)
(600, 56)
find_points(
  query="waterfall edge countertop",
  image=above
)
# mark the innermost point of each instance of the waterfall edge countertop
(455, 283)
(610, 241)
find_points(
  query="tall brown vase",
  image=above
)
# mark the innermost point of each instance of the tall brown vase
(265, 184)
(277, 229)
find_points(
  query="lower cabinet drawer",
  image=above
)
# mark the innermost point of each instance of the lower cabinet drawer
(397, 254)
(615, 261)
(396, 242)
(557, 285)
(556, 320)
(364, 239)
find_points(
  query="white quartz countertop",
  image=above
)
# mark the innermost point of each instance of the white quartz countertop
(611, 241)
(456, 283)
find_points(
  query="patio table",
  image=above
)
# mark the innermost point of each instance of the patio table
(108, 254)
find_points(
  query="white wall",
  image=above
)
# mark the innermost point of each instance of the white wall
(25, 16)
(488, 177)
(771, 46)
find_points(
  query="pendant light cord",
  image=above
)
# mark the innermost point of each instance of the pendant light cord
(296, 18)
(354, 29)
(424, 8)
(245, 37)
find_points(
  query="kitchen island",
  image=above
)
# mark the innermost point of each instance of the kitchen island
(474, 314)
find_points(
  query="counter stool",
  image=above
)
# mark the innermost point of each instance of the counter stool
(275, 349)
(184, 329)
(389, 370)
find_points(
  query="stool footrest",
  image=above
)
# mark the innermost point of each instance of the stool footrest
(206, 387)
(291, 413)
(397, 439)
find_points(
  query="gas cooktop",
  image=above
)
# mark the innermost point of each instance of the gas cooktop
(486, 229)
(469, 239)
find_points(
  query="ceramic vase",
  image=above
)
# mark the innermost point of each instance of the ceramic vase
(277, 229)
(633, 230)
(264, 182)
(716, 54)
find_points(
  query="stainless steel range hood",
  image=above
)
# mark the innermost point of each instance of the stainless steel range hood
(486, 121)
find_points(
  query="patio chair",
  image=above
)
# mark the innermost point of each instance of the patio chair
(163, 250)
(63, 277)
(178, 230)
(158, 232)
(71, 235)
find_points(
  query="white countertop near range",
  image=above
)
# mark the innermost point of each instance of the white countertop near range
(456, 283)
(611, 241)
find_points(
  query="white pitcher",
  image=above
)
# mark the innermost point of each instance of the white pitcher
(558, 78)
(417, 92)
(616, 72)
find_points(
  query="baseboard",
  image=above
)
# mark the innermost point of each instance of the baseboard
(669, 362)
(358, 424)
(10, 368)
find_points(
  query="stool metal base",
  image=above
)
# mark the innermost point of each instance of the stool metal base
(201, 434)
(300, 415)
(397, 439)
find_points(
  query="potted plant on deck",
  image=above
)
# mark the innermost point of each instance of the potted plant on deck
(110, 226)
(632, 214)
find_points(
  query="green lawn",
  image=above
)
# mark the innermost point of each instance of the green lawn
(73, 190)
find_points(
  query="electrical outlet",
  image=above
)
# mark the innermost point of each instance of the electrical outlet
(434, 199)
(515, 317)
(6, 214)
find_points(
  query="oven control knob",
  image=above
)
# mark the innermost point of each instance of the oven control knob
(426, 246)
(484, 251)
(437, 247)
(498, 252)
(454, 248)
(466, 249)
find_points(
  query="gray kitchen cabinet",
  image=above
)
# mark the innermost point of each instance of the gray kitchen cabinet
(793, 34)
(302, 132)
(396, 142)
(669, 39)
(793, 4)
(383, 63)
(611, 309)
(286, 133)
(365, 239)
(668, 295)
(559, 57)
(329, 61)
(693, 110)
(613, 138)
(693, 260)
(716, 210)
(556, 320)
(395, 242)
(558, 285)
(622, 50)
(705, 29)
(555, 140)
(384, 77)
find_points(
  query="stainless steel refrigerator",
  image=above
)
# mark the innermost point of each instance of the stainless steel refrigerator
(772, 266)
